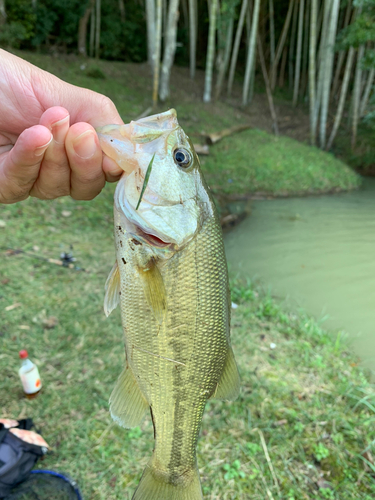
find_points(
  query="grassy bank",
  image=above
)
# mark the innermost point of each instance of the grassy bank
(241, 164)
(302, 428)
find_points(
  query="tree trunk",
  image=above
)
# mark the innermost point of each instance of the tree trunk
(328, 67)
(210, 52)
(272, 34)
(97, 34)
(169, 49)
(366, 94)
(224, 64)
(357, 94)
(82, 30)
(312, 70)
(3, 14)
(236, 45)
(268, 88)
(157, 50)
(281, 44)
(299, 50)
(193, 37)
(151, 40)
(341, 104)
(251, 52)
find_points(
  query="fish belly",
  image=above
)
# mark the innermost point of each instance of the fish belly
(177, 364)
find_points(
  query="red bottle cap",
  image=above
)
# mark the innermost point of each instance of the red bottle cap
(23, 354)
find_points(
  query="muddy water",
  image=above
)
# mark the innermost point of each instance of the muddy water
(320, 253)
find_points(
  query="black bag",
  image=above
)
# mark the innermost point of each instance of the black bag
(17, 457)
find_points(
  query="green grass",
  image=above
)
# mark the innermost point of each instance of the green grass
(241, 164)
(256, 161)
(306, 410)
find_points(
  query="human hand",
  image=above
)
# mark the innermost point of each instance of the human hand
(48, 144)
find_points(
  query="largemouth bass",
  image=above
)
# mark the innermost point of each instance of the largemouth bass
(170, 279)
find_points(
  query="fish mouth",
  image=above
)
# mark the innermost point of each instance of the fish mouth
(152, 239)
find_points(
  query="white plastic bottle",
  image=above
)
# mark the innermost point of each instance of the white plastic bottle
(29, 375)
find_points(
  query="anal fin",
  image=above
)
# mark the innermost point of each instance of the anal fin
(228, 386)
(112, 290)
(127, 404)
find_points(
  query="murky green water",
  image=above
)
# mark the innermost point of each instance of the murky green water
(319, 252)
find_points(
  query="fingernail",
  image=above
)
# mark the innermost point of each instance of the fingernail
(60, 129)
(39, 151)
(84, 145)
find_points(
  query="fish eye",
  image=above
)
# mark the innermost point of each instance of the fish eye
(182, 157)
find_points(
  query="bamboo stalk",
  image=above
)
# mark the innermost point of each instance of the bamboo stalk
(281, 43)
(92, 33)
(251, 52)
(272, 34)
(357, 94)
(224, 65)
(97, 34)
(342, 53)
(344, 89)
(282, 67)
(151, 33)
(157, 50)
(328, 67)
(169, 49)
(193, 37)
(366, 94)
(210, 52)
(312, 70)
(236, 45)
(268, 87)
(292, 44)
(299, 49)
(305, 56)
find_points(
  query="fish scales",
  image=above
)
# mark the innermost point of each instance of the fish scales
(198, 275)
(172, 285)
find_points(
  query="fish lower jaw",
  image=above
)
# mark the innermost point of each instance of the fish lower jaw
(153, 240)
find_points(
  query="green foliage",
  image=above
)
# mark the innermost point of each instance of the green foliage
(233, 471)
(123, 41)
(321, 452)
(361, 31)
(20, 26)
(55, 24)
(12, 35)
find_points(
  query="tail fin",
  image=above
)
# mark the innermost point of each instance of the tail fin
(152, 487)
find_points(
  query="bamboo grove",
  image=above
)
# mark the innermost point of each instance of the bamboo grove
(320, 53)
(313, 51)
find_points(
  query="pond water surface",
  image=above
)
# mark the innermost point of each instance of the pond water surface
(320, 253)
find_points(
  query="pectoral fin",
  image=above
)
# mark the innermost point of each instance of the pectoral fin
(154, 289)
(127, 404)
(228, 387)
(112, 290)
